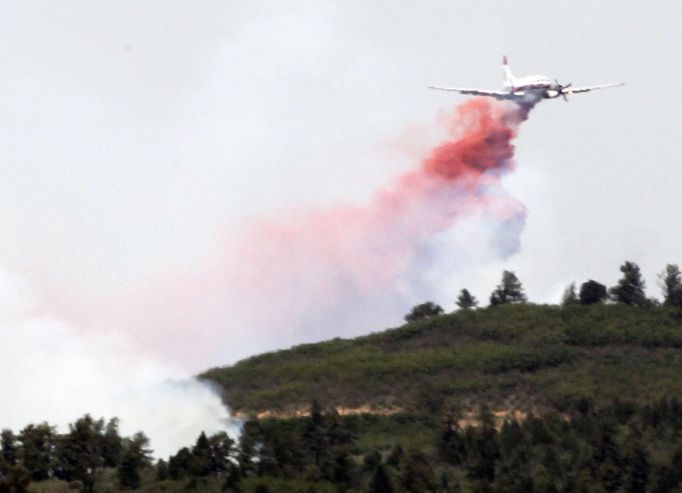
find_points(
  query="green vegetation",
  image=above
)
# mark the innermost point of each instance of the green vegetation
(623, 447)
(585, 397)
(524, 356)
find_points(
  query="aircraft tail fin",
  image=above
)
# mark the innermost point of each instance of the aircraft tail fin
(508, 76)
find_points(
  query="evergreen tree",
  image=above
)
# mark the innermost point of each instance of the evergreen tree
(630, 288)
(128, 471)
(513, 474)
(232, 482)
(343, 468)
(267, 459)
(485, 448)
(314, 432)
(202, 463)
(79, 454)
(509, 290)
(180, 464)
(466, 301)
(249, 442)
(425, 310)
(511, 437)
(37, 450)
(161, 470)
(338, 432)
(451, 445)
(222, 450)
(14, 478)
(381, 482)
(592, 292)
(570, 297)
(418, 475)
(672, 285)
(8, 442)
(135, 456)
(112, 444)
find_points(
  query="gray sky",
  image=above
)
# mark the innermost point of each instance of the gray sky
(137, 134)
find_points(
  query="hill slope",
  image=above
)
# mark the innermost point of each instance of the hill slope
(513, 357)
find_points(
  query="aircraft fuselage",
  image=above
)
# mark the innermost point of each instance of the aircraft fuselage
(538, 85)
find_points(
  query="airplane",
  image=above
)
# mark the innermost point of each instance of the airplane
(529, 89)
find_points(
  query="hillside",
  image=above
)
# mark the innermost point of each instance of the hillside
(514, 357)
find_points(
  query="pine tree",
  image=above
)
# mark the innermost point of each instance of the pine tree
(161, 470)
(486, 449)
(343, 468)
(570, 297)
(179, 465)
(248, 445)
(135, 456)
(79, 454)
(222, 450)
(8, 442)
(112, 445)
(14, 478)
(315, 435)
(418, 475)
(128, 471)
(232, 482)
(381, 482)
(672, 285)
(592, 292)
(202, 456)
(425, 310)
(466, 301)
(37, 450)
(509, 290)
(451, 445)
(630, 288)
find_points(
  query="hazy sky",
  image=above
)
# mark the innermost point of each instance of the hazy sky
(136, 135)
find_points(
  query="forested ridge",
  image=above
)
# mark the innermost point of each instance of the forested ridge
(597, 345)
(583, 397)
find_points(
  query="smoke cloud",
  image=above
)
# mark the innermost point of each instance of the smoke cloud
(53, 372)
(312, 274)
(304, 275)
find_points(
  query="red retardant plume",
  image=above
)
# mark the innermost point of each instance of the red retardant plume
(312, 274)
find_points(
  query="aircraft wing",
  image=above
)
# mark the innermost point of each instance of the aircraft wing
(479, 92)
(575, 90)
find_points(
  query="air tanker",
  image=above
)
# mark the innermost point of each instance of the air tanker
(531, 88)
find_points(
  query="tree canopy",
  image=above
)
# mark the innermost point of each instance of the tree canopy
(672, 285)
(592, 292)
(509, 290)
(466, 300)
(425, 310)
(630, 288)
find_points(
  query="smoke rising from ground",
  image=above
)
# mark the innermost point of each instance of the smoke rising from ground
(310, 274)
(53, 372)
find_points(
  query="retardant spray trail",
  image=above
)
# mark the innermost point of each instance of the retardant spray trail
(313, 274)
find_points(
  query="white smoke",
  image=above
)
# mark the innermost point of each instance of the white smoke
(53, 372)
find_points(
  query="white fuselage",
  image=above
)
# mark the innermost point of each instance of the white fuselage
(536, 84)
